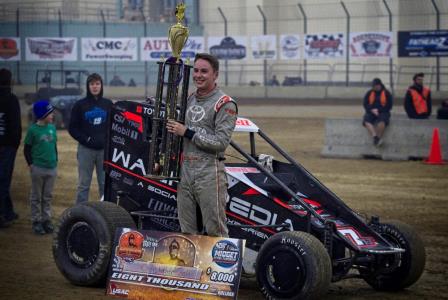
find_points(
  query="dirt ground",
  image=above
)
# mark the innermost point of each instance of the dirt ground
(409, 191)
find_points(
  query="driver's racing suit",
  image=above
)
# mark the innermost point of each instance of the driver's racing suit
(210, 121)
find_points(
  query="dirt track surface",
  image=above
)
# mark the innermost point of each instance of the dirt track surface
(408, 191)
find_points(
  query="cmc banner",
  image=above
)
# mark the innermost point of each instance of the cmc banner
(422, 43)
(166, 265)
(9, 49)
(289, 46)
(109, 49)
(263, 46)
(330, 45)
(155, 48)
(370, 44)
(56, 49)
(230, 47)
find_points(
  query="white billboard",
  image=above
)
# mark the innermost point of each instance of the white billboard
(109, 49)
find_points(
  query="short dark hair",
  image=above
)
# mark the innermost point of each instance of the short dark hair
(418, 75)
(210, 58)
(94, 77)
(5, 77)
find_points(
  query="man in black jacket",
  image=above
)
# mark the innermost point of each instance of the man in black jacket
(88, 126)
(10, 136)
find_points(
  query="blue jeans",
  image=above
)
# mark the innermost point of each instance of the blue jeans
(7, 158)
(87, 160)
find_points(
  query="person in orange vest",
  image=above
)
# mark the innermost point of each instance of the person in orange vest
(417, 102)
(377, 104)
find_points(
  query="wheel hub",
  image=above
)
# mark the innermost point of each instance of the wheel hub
(82, 244)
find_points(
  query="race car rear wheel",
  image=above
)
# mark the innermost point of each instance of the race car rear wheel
(83, 239)
(293, 265)
(407, 267)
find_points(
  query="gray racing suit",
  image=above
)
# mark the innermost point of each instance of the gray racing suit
(210, 121)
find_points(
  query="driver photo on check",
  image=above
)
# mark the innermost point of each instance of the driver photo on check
(210, 120)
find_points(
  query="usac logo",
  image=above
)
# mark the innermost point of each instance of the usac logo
(130, 245)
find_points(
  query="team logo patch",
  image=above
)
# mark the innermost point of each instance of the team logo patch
(195, 113)
(223, 100)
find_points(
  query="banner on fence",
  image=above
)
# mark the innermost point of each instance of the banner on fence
(263, 46)
(289, 46)
(229, 47)
(51, 49)
(371, 44)
(169, 265)
(9, 49)
(109, 49)
(155, 48)
(330, 45)
(423, 43)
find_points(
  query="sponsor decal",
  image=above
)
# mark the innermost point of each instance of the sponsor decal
(195, 113)
(228, 48)
(324, 45)
(109, 49)
(9, 49)
(290, 46)
(134, 120)
(220, 103)
(128, 181)
(119, 118)
(355, 237)
(423, 43)
(115, 175)
(125, 131)
(114, 290)
(125, 161)
(130, 245)
(154, 49)
(256, 213)
(225, 254)
(118, 140)
(264, 47)
(371, 44)
(51, 49)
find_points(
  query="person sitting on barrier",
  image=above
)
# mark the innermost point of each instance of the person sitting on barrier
(377, 104)
(417, 102)
(442, 112)
(210, 119)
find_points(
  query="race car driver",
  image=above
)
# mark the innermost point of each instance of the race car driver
(210, 119)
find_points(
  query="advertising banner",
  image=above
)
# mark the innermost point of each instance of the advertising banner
(9, 48)
(263, 46)
(330, 45)
(154, 48)
(109, 49)
(230, 47)
(166, 265)
(289, 46)
(52, 48)
(371, 44)
(423, 43)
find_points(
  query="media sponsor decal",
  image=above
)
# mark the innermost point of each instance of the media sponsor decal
(230, 47)
(290, 46)
(56, 49)
(324, 45)
(371, 44)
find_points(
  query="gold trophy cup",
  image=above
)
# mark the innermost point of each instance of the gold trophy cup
(165, 147)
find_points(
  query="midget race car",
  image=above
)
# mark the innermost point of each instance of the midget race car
(299, 235)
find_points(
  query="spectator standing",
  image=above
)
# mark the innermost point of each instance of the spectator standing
(210, 119)
(377, 105)
(10, 136)
(88, 126)
(417, 102)
(42, 157)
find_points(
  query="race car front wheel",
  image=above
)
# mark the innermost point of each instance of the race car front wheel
(293, 265)
(83, 239)
(401, 270)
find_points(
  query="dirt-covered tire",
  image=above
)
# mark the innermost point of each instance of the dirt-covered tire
(409, 265)
(293, 265)
(83, 240)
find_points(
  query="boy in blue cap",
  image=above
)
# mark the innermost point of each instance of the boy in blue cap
(42, 157)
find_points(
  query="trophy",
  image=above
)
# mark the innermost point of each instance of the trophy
(165, 147)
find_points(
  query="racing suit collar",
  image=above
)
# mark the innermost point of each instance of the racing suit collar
(203, 97)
